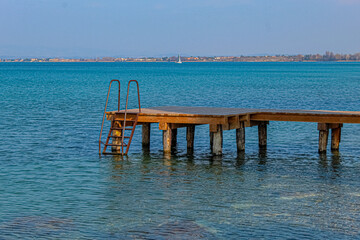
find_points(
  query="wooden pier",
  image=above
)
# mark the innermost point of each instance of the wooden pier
(170, 118)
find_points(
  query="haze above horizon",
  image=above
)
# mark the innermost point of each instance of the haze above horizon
(90, 28)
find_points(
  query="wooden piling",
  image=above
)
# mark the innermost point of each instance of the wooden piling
(167, 139)
(335, 137)
(190, 135)
(217, 141)
(323, 136)
(146, 135)
(262, 132)
(240, 138)
(173, 137)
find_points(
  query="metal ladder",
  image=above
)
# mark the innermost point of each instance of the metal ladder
(117, 130)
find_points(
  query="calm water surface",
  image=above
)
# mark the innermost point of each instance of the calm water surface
(54, 185)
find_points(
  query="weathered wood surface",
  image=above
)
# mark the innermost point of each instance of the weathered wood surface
(190, 135)
(323, 136)
(170, 118)
(240, 138)
(146, 135)
(262, 133)
(335, 138)
(173, 137)
(217, 141)
(229, 117)
(167, 140)
(115, 140)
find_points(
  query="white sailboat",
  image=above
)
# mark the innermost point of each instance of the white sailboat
(179, 59)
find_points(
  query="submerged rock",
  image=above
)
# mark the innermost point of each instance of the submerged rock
(35, 226)
(175, 230)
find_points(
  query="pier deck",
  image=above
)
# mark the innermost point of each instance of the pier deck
(172, 117)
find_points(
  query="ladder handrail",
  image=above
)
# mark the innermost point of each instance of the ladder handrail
(126, 107)
(107, 99)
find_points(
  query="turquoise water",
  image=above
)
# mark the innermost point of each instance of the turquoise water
(54, 185)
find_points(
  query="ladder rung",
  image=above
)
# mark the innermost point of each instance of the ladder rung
(118, 136)
(112, 153)
(116, 145)
(120, 129)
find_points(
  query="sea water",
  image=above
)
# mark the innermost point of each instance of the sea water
(54, 185)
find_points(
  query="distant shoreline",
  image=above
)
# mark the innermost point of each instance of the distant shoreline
(327, 57)
(341, 61)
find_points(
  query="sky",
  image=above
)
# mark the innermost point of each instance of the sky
(135, 28)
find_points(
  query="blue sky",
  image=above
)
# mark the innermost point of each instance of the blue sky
(90, 28)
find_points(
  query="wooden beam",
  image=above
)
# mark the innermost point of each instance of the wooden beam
(146, 135)
(213, 128)
(335, 125)
(262, 133)
(323, 136)
(233, 122)
(181, 125)
(163, 125)
(190, 135)
(292, 117)
(175, 119)
(217, 141)
(240, 137)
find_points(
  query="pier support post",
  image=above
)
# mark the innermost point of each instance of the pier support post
(116, 149)
(217, 141)
(146, 135)
(167, 140)
(262, 132)
(335, 136)
(173, 137)
(190, 134)
(323, 136)
(240, 138)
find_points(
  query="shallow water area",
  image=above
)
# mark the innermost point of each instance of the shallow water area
(53, 184)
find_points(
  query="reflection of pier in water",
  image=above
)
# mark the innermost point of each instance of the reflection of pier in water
(170, 118)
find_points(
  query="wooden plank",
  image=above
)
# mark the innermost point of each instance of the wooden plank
(183, 120)
(306, 118)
